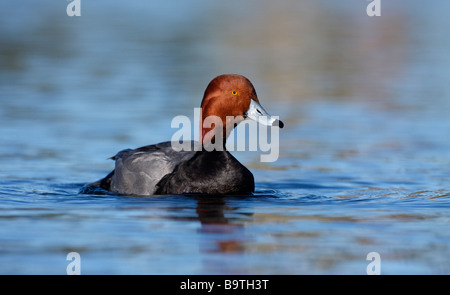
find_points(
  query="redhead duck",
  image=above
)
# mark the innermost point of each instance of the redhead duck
(160, 169)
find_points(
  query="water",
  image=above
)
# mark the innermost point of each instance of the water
(364, 157)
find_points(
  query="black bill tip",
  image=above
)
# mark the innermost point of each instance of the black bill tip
(278, 123)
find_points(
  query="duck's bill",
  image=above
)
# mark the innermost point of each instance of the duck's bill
(257, 113)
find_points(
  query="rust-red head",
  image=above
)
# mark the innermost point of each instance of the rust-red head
(228, 100)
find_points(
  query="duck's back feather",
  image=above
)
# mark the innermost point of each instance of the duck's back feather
(137, 171)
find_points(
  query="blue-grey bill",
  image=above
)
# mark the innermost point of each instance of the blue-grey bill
(257, 113)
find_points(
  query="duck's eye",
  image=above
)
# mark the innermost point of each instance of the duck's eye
(234, 92)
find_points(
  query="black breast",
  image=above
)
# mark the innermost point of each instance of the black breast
(216, 172)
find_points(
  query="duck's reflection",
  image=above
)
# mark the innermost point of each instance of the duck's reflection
(210, 210)
(222, 223)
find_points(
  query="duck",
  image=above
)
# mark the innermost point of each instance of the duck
(197, 168)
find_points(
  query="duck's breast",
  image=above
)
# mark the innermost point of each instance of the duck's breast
(216, 172)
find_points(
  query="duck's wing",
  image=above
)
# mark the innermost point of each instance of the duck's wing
(137, 171)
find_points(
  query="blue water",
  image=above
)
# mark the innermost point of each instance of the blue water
(364, 161)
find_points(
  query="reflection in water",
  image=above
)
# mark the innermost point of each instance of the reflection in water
(210, 210)
(211, 214)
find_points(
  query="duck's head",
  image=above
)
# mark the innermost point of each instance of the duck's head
(230, 99)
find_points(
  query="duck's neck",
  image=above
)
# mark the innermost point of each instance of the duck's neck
(213, 133)
(209, 142)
